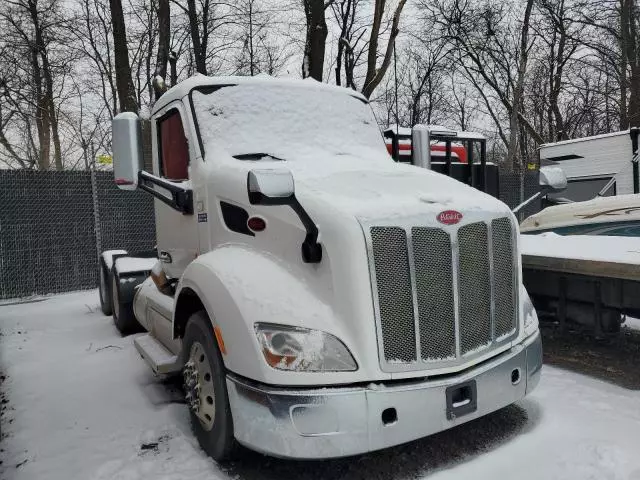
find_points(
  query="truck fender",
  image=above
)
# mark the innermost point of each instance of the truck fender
(238, 287)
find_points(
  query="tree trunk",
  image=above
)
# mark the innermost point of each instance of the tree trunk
(164, 27)
(47, 104)
(374, 74)
(124, 83)
(632, 57)
(252, 69)
(173, 60)
(313, 61)
(624, 40)
(343, 41)
(53, 115)
(198, 51)
(43, 123)
(557, 86)
(517, 94)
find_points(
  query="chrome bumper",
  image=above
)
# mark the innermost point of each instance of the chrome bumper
(341, 421)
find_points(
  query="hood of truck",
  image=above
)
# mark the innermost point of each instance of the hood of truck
(346, 197)
(390, 190)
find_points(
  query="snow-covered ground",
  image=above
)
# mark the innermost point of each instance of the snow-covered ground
(633, 323)
(83, 405)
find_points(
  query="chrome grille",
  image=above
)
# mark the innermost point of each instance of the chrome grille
(504, 277)
(395, 299)
(443, 296)
(432, 257)
(474, 287)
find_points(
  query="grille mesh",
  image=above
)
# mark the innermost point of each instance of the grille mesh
(391, 264)
(474, 287)
(504, 277)
(434, 285)
(446, 267)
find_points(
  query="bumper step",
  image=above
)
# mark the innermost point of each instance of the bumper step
(161, 360)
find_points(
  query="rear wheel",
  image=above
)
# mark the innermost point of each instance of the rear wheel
(206, 389)
(123, 317)
(104, 288)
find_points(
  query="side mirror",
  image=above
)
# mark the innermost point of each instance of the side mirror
(270, 187)
(275, 187)
(127, 149)
(552, 180)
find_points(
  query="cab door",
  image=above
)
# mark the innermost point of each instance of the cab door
(176, 230)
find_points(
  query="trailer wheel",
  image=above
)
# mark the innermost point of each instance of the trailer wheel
(206, 389)
(104, 287)
(123, 317)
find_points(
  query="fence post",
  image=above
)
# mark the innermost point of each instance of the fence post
(96, 208)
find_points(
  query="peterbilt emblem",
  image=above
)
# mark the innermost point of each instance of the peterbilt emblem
(449, 217)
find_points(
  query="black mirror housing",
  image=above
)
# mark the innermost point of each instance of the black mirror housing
(275, 187)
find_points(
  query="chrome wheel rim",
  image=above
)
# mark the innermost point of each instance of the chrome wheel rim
(198, 386)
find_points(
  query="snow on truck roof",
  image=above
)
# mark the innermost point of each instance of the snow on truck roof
(183, 88)
(407, 131)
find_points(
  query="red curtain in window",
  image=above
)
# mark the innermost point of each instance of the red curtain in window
(174, 148)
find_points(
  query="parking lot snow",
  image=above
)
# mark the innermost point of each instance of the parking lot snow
(83, 405)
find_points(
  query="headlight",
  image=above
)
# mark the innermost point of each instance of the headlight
(303, 350)
(530, 315)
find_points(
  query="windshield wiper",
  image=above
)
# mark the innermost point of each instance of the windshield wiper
(257, 156)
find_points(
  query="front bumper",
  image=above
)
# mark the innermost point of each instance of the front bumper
(342, 421)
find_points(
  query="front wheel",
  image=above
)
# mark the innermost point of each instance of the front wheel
(206, 389)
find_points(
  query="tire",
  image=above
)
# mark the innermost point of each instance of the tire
(104, 288)
(123, 317)
(216, 436)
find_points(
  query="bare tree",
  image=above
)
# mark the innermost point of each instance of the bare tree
(208, 26)
(516, 108)
(376, 73)
(94, 41)
(491, 47)
(345, 13)
(34, 28)
(164, 31)
(464, 107)
(316, 37)
(259, 49)
(124, 82)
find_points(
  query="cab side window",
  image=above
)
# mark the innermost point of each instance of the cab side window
(174, 148)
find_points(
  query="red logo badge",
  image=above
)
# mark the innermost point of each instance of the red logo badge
(449, 217)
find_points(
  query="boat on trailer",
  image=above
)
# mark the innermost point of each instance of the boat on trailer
(612, 216)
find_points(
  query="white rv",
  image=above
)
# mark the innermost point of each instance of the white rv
(599, 165)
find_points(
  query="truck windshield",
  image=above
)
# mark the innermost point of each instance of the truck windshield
(290, 122)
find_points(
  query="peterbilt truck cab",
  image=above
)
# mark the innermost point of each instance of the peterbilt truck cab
(319, 299)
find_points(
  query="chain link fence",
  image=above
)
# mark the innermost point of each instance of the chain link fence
(54, 224)
(512, 194)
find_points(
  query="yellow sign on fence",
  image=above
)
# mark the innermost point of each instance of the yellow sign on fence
(105, 159)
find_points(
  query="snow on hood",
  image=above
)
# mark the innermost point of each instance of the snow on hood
(391, 190)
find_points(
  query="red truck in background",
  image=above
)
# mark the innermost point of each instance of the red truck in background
(438, 149)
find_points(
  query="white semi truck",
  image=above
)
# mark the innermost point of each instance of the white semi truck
(319, 299)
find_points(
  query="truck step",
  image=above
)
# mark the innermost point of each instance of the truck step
(161, 360)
